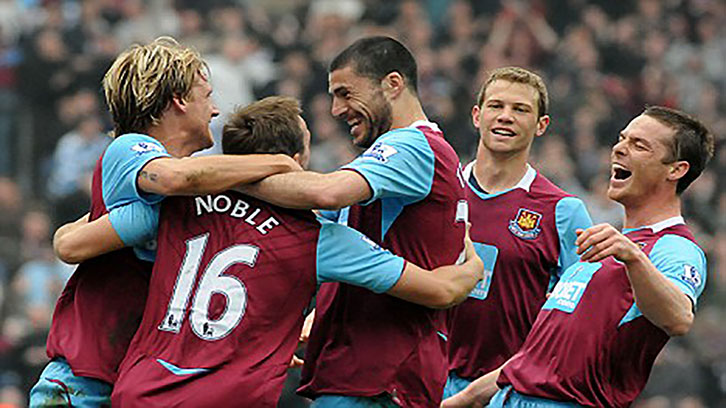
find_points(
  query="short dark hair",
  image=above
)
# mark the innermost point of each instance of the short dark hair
(692, 141)
(376, 57)
(270, 125)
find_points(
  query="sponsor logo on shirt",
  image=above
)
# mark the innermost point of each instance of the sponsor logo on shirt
(145, 147)
(526, 224)
(381, 152)
(691, 275)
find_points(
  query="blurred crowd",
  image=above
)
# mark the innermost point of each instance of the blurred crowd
(603, 62)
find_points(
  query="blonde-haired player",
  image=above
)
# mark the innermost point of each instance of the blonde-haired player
(159, 97)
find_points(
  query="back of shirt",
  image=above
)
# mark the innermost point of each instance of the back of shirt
(364, 344)
(100, 307)
(230, 283)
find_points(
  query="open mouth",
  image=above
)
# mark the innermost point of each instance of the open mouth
(503, 132)
(354, 125)
(620, 172)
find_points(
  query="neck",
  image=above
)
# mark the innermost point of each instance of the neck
(499, 172)
(406, 110)
(651, 211)
(174, 139)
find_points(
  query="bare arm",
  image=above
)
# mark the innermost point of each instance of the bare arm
(659, 299)
(443, 287)
(81, 240)
(478, 393)
(209, 174)
(308, 189)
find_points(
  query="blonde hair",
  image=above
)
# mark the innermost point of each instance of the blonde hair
(519, 76)
(144, 79)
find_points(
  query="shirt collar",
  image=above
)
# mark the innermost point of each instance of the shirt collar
(661, 225)
(431, 125)
(525, 183)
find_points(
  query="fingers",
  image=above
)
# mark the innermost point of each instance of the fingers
(596, 242)
(601, 250)
(307, 326)
(296, 362)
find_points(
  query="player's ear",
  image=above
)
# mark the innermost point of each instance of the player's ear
(393, 84)
(475, 112)
(677, 170)
(298, 158)
(542, 124)
(178, 102)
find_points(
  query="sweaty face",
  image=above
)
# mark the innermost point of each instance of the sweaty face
(200, 111)
(507, 118)
(637, 168)
(360, 102)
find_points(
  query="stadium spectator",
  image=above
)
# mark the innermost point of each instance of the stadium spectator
(523, 227)
(596, 338)
(69, 184)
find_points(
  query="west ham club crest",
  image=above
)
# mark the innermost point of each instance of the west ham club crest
(526, 224)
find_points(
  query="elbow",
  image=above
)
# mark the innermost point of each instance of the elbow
(66, 252)
(680, 328)
(448, 296)
(325, 198)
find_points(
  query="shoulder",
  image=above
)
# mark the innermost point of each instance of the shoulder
(133, 144)
(676, 244)
(542, 186)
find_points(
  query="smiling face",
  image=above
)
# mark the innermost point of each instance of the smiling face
(508, 118)
(200, 110)
(360, 102)
(638, 170)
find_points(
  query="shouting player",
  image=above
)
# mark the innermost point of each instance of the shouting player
(523, 227)
(596, 338)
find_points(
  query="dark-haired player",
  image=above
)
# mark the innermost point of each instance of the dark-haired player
(406, 193)
(598, 334)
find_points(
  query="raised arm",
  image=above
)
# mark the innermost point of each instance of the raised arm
(209, 174)
(306, 190)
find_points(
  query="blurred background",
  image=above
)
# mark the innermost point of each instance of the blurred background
(602, 61)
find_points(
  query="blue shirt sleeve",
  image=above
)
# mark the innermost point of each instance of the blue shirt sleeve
(400, 164)
(330, 215)
(135, 223)
(682, 262)
(345, 255)
(570, 215)
(122, 161)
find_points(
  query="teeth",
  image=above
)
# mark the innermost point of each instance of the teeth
(502, 132)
